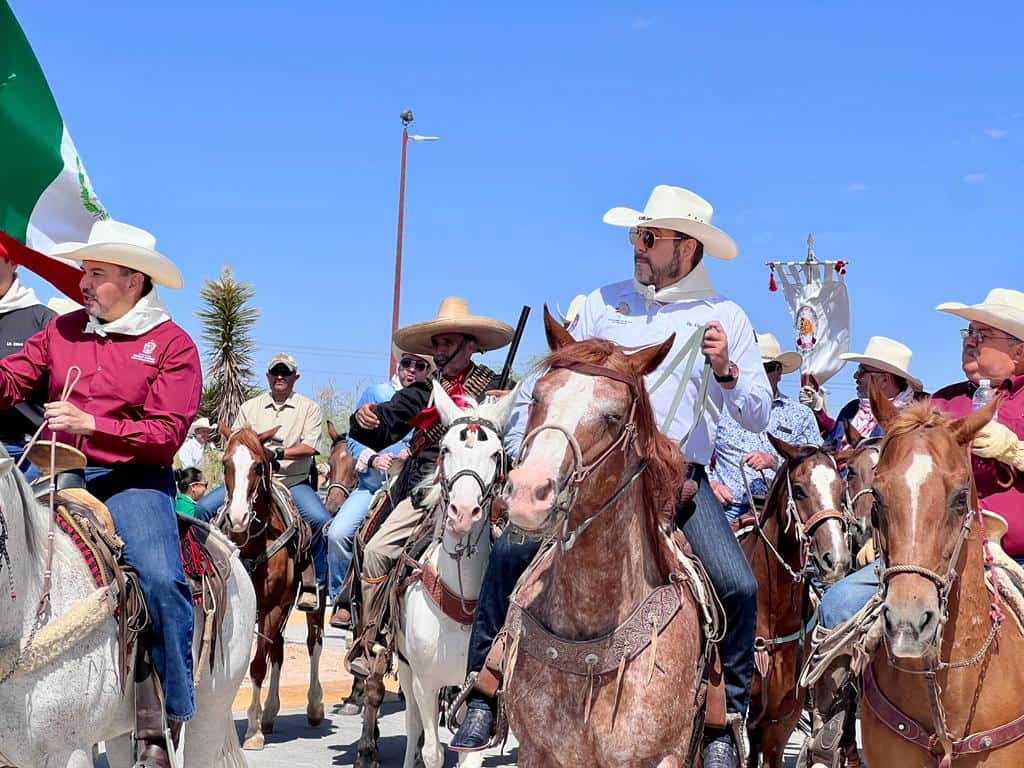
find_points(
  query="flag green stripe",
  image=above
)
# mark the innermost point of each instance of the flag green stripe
(30, 128)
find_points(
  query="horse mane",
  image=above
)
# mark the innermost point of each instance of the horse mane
(663, 478)
(916, 416)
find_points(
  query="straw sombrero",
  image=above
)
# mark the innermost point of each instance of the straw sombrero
(771, 352)
(453, 316)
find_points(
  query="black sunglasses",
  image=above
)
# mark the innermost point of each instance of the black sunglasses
(648, 238)
(417, 365)
(280, 370)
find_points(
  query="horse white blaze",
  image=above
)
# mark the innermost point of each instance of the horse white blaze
(238, 504)
(529, 502)
(821, 480)
(917, 474)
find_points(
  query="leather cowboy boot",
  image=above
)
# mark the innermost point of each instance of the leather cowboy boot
(149, 719)
(477, 729)
(833, 716)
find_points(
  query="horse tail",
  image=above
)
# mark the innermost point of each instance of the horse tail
(231, 755)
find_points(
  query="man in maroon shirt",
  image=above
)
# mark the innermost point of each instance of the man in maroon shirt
(993, 349)
(128, 413)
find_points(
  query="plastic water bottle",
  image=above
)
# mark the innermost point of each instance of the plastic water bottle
(982, 395)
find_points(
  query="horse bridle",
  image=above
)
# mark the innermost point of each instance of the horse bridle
(850, 502)
(345, 489)
(221, 518)
(804, 528)
(487, 488)
(566, 497)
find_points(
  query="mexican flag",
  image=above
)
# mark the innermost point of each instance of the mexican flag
(45, 193)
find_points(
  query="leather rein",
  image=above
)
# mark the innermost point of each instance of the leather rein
(565, 498)
(892, 716)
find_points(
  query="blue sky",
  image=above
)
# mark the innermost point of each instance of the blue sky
(266, 135)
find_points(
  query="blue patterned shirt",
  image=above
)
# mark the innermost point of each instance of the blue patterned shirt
(789, 421)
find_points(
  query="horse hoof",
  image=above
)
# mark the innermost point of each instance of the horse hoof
(315, 717)
(267, 726)
(351, 708)
(254, 743)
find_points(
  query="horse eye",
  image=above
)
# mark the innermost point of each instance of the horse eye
(961, 500)
(851, 473)
(798, 492)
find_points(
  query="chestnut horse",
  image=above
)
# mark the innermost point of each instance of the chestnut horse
(269, 549)
(800, 526)
(860, 458)
(341, 476)
(604, 637)
(944, 686)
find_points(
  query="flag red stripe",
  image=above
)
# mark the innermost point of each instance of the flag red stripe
(63, 277)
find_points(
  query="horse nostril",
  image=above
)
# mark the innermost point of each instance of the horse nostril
(544, 491)
(828, 560)
(475, 514)
(887, 617)
(925, 621)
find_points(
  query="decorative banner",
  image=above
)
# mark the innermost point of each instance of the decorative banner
(45, 194)
(815, 293)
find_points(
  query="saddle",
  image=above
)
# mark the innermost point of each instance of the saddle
(205, 555)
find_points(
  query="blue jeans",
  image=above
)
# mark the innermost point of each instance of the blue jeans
(849, 595)
(310, 507)
(341, 535)
(141, 501)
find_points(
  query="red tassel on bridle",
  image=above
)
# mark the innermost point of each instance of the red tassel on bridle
(772, 285)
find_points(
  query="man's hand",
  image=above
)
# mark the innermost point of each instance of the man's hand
(382, 461)
(65, 417)
(721, 492)
(759, 460)
(715, 347)
(812, 398)
(497, 394)
(366, 416)
(404, 454)
(999, 442)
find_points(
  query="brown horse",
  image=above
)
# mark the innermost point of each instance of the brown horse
(270, 548)
(944, 686)
(605, 637)
(860, 458)
(341, 476)
(800, 525)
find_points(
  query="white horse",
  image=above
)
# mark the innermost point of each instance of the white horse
(435, 645)
(66, 696)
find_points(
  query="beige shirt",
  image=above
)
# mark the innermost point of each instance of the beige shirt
(300, 420)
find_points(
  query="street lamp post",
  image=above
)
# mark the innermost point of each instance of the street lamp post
(407, 119)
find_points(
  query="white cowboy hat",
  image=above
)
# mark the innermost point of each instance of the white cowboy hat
(201, 423)
(115, 242)
(575, 307)
(680, 210)
(453, 317)
(1003, 308)
(771, 352)
(887, 355)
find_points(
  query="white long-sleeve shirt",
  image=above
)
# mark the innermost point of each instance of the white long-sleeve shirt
(619, 313)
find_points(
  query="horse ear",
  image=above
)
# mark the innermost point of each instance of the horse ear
(853, 437)
(965, 429)
(884, 411)
(499, 411)
(264, 436)
(786, 450)
(224, 430)
(647, 359)
(331, 431)
(557, 336)
(446, 407)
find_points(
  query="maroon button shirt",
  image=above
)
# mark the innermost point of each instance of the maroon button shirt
(1000, 487)
(142, 390)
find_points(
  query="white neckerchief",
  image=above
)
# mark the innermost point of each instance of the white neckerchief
(694, 286)
(18, 296)
(146, 315)
(864, 420)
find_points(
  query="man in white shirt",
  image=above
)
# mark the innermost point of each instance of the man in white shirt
(670, 293)
(192, 450)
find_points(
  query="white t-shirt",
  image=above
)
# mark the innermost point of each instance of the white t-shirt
(191, 453)
(618, 313)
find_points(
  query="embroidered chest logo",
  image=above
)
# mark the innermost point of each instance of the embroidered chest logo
(622, 308)
(146, 355)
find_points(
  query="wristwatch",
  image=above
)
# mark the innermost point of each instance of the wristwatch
(731, 374)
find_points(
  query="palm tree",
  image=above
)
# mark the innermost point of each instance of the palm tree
(228, 323)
